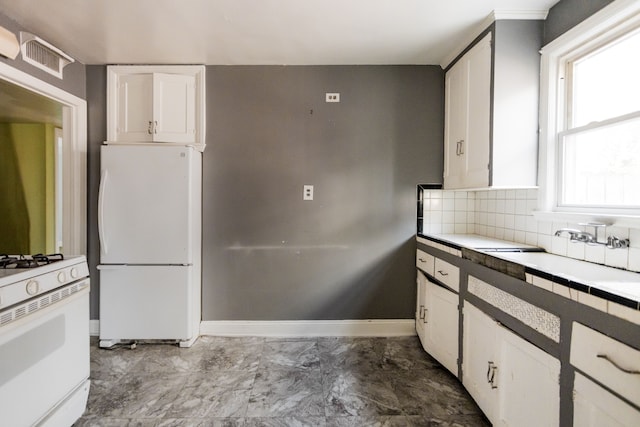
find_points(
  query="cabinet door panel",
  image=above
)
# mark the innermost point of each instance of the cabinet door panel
(479, 358)
(528, 384)
(420, 307)
(134, 107)
(174, 108)
(442, 326)
(455, 124)
(593, 406)
(476, 146)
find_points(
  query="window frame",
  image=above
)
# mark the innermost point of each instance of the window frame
(611, 22)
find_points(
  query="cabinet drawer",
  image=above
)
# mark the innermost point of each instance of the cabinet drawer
(424, 262)
(447, 274)
(610, 362)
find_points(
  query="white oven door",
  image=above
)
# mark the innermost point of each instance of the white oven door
(44, 357)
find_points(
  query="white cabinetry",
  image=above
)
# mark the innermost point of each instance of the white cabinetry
(421, 301)
(613, 364)
(447, 273)
(425, 261)
(514, 382)
(156, 104)
(437, 316)
(593, 406)
(491, 109)
(441, 326)
(467, 106)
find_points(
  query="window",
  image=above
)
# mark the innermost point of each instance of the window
(590, 116)
(599, 151)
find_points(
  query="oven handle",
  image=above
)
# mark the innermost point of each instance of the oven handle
(101, 231)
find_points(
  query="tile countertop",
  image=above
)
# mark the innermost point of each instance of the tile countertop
(620, 286)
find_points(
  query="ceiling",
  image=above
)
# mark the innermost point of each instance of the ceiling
(260, 32)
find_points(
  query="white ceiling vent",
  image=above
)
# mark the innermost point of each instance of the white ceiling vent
(43, 55)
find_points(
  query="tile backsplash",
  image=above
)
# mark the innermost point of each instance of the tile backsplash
(508, 215)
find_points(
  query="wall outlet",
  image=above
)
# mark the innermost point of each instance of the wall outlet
(332, 97)
(307, 192)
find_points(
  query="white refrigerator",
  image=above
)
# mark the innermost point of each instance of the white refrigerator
(149, 224)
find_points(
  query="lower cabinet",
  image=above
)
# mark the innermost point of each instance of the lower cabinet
(437, 322)
(421, 285)
(514, 382)
(593, 406)
(613, 364)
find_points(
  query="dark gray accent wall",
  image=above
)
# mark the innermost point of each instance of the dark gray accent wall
(349, 253)
(73, 75)
(96, 135)
(566, 14)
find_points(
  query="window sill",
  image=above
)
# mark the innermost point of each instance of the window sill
(628, 221)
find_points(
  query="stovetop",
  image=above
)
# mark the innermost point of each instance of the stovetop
(28, 261)
(37, 267)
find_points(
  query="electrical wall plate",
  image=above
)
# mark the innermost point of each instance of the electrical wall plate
(307, 192)
(332, 97)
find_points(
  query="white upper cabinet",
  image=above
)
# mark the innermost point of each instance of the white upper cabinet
(467, 100)
(491, 110)
(156, 104)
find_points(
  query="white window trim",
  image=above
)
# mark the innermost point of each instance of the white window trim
(613, 20)
(74, 179)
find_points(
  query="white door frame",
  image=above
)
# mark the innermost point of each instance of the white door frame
(74, 179)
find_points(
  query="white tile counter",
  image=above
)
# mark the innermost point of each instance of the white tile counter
(605, 288)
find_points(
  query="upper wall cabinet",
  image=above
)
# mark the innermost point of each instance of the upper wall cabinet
(491, 109)
(467, 101)
(164, 104)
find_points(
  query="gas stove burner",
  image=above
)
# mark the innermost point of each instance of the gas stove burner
(28, 261)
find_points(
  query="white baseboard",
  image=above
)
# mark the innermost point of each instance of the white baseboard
(310, 328)
(94, 328)
(300, 328)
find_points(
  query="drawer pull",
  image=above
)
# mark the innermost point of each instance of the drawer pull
(422, 260)
(625, 370)
(443, 273)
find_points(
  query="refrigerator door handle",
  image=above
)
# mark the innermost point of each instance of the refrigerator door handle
(101, 231)
(111, 266)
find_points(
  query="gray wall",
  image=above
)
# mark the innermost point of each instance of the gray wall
(96, 134)
(73, 75)
(566, 14)
(348, 254)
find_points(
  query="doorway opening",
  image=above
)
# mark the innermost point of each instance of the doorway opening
(42, 166)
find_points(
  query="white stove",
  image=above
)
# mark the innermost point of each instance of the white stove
(44, 339)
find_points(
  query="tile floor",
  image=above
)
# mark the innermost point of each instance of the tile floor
(248, 382)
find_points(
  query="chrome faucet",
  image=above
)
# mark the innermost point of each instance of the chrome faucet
(576, 235)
